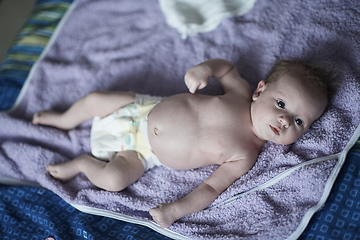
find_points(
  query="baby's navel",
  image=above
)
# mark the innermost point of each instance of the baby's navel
(156, 131)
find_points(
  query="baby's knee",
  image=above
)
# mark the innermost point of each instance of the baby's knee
(114, 183)
(113, 187)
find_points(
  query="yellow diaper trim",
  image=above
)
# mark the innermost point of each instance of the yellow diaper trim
(142, 146)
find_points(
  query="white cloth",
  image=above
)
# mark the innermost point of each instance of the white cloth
(190, 17)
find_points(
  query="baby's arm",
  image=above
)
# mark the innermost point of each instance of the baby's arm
(197, 77)
(167, 213)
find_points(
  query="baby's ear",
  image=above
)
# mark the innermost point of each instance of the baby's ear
(260, 88)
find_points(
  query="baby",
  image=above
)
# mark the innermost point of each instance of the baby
(186, 131)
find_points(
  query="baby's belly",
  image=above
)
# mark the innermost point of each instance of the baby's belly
(173, 130)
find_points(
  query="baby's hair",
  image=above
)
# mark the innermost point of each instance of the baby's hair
(322, 76)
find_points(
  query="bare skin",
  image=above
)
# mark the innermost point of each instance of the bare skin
(188, 131)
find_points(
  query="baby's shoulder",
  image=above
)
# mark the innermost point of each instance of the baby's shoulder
(241, 93)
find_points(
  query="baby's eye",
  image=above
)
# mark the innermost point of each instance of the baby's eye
(299, 121)
(281, 104)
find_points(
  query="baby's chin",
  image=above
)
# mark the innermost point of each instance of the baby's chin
(281, 142)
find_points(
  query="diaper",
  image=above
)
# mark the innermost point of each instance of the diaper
(125, 129)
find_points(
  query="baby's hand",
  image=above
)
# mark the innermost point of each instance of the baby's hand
(163, 214)
(196, 78)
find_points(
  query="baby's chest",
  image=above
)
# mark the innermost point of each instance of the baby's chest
(224, 146)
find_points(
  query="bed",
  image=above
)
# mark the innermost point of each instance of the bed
(68, 48)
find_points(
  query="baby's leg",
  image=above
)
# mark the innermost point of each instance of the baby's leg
(120, 172)
(94, 104)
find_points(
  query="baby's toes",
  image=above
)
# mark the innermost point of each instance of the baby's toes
(36, 118)
(52, 169)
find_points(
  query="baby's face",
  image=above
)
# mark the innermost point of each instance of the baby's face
(283, 110)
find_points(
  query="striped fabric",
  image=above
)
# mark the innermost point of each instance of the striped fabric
(27, 47)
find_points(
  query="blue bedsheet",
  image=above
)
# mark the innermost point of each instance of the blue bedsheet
(36, 213)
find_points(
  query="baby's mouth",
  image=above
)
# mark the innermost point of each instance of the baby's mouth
(276, 130)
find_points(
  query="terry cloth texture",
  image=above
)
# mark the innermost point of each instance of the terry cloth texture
(122, 45)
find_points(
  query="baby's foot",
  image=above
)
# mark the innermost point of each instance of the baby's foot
(46, 118)
(63, 171)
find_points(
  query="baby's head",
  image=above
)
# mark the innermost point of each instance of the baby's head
(293, 96)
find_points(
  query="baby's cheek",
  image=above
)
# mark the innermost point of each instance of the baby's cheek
(295, 136)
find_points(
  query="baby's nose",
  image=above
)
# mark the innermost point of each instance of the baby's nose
(284, 121)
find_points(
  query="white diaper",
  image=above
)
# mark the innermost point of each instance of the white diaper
(125, 129)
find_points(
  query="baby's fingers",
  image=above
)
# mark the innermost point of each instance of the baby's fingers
(163, 215)
(193, 86)
(202, 85)
(158, 217)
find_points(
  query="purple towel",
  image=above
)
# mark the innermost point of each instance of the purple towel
(127, 45)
